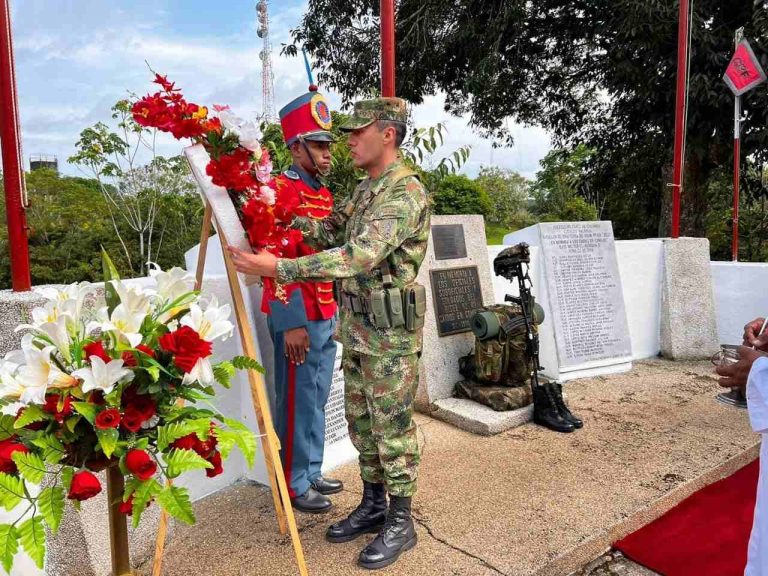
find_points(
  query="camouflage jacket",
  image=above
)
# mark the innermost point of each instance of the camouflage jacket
(386, 217)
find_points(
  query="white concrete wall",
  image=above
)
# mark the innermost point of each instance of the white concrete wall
(741, 294)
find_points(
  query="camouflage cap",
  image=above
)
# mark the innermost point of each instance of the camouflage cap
(369, 111)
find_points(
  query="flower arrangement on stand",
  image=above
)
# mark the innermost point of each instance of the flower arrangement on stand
(239, 163)
(100, 386)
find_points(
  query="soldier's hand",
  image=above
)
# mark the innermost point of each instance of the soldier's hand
(261, 264)
(735, 375)
(752, 336)
(296, 345)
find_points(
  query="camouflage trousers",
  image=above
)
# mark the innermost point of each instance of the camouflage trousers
(379, 392)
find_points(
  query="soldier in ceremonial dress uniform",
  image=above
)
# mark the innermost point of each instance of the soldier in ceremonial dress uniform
(374, 247)
(302, 329)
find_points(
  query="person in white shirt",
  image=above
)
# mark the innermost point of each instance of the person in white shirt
(751, 371)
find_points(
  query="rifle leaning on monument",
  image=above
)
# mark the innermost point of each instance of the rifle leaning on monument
(549, 408)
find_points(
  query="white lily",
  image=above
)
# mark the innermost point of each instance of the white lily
(69, 300)
(10, 386)
(103, 376)
(172, 284)
(201, 372)
(133, 298)
(58, 333)
(122, 321)
(211, 323)
(39, 373)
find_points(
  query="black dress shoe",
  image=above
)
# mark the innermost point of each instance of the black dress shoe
(312, 502)
(367, 518)
(327, 486)
(397, 536)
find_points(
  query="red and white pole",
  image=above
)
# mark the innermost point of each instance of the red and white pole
(680, 115)
(13, 175)
(387, 48)
(736, 164)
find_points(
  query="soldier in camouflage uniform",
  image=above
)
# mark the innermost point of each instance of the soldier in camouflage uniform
(383, 229)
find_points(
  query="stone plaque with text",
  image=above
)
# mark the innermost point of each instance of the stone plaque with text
(448, 241)
(586, 298)
(457, 296)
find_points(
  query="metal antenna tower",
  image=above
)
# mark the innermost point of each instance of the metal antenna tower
(267, 74)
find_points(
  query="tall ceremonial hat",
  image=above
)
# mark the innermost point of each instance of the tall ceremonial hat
(308, 116)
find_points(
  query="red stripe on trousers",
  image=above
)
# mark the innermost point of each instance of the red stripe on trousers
(290, 426)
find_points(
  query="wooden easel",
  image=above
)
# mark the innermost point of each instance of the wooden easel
(269, 440)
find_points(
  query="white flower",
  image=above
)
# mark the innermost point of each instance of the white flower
(172, 284)
(133, 298)
(267, 195)
(10, 387)
(211, 323)
(69, 300)
(124, 322)
(248, 132)
(58, 334)
(103, 376)
(201, 372)
(39, 373)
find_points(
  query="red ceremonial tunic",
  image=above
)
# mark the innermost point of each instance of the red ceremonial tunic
(318, 296)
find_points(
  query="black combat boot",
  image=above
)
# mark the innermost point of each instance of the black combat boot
(565, 412)
(367, 518)
(397, 536)
(545, 412)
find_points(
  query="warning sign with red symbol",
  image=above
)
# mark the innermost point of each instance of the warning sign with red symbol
(744, 72)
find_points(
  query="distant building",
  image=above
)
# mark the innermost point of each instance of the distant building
(43, 162)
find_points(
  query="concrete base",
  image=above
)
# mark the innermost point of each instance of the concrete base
(477, 418)
(688, 325)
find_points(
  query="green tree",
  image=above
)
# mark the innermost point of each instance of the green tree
(508, 192)
(457, 194)
(561, 186)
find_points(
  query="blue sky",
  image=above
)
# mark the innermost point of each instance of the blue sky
(75, 58)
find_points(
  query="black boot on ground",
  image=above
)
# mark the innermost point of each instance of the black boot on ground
(545, 411)
(367, 518)
(397, 536)
(565, 412)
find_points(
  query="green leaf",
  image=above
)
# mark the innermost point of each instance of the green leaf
(110, 273)
(175, 501)
(180, 461)
(108, 439)
(154, 372)
(9, 545)
(32, 534)
(246, 363)
(51, 504)
(223, 373)
(7, 426)
(170, 432)
(142, 495)
(86, 409)
(71, 423)
(30, 465)
(53, 450)
(66, 477)
(32, 413)
(245, 441)
(11, 491)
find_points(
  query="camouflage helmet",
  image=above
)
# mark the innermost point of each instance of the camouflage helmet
(367, 112)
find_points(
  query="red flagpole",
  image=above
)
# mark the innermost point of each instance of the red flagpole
(680, 110)
(387, 48)
(13, 176)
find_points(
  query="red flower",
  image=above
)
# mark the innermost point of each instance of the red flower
(51, 406)
(96, 349)
(129, 358)
(258, 220)
(108, 419)
(127, 506)
(186, 346)
(7, 449)
(132, 419)
(232, 171)
(97, 397)
(140, 464)
(217, 467)
(188, 442)
(164, 83)
(192, 442)
(145, 406)
(84, 485)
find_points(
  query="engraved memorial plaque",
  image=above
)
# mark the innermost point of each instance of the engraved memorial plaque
(586, 299)
(448, 241)
(457, 296)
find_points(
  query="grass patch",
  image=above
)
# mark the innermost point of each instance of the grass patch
(494, 234)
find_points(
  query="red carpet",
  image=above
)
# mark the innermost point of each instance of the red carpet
(705, 535)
